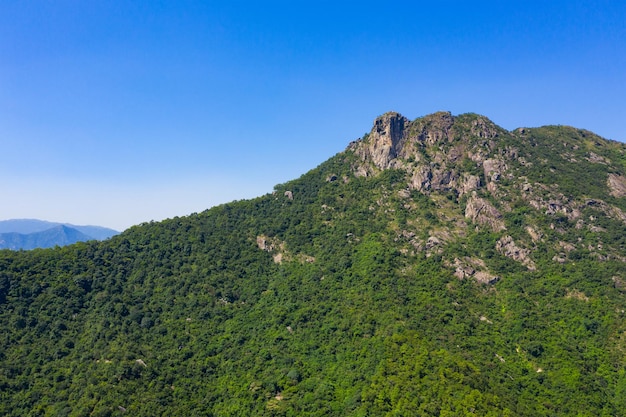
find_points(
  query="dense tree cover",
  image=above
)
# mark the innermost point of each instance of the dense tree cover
(195, 316)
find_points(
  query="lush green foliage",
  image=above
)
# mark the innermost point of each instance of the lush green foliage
(191, 317)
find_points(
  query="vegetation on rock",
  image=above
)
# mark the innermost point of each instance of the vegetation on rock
(442, 266)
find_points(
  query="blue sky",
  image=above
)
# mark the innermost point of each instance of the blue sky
(116, 113)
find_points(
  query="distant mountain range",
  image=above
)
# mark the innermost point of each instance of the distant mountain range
(31, 233)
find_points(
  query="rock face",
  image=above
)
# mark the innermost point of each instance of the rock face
(508, 248)
(482, 212)
(476, 172)
(617, 185)
(385, 139)
(435, 128)
(279, 252)
(494, 168)
(263, 243)
(468, 184)
(431, 149)
(473, 268)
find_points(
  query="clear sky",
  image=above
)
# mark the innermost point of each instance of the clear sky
(115, 113)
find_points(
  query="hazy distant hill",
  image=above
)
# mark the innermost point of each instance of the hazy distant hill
(32, 233)
(442, 266)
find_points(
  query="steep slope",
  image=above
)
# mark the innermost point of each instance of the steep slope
(441, 266)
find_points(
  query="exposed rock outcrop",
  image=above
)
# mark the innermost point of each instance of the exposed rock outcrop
(468, 184)
(597, 159)
(279, 253)
(432, 150)
(394, 139)
(535, 235)
(265, 243)
(508, 248)
(617, 185)
(484, 128)
(434, 128)
(480, 211)
(427, 178)
(547, 199)
(494, 168)
(607, 209)
(383, 143)
(272, 245)
(473, 268)
(620, 283)
(467, 157)
(421, 179)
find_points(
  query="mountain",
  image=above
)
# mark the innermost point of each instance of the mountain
(25, 226)
(440, 266)
(57, 236)
(95, 232)
(31, 234)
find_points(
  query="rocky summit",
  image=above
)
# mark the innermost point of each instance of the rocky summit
(486, 172)
(442, 266)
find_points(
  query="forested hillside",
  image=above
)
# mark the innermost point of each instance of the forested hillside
(437, 267)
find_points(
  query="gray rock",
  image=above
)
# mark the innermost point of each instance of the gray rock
(480, 211)
(617, 185)
(508, 248)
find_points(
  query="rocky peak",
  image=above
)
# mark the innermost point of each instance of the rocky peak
(477, 173)
(385, 139)
(434, 128)
(484, 128)
(394, 137)
(429, 148)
